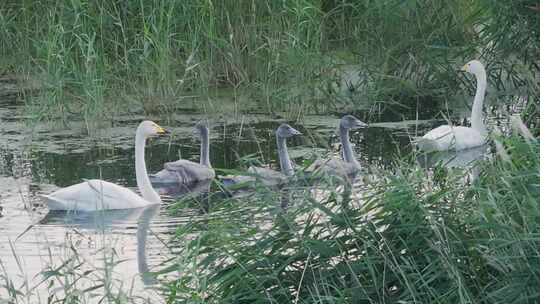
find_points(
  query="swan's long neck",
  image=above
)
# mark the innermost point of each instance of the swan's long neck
(284, 160)
(205, 149)
(145, 187)
(348, 153)
(476, 116)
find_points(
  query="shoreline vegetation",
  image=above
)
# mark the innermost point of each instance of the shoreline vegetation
(444, 235)
(411, 236)
(94, 58)
(405, 234)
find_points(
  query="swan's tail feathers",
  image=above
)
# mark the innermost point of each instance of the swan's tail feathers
(52, 202)
(426, 144)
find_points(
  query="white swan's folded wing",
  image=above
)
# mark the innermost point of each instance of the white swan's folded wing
(438, 139)
(92, 195)
(450, 138)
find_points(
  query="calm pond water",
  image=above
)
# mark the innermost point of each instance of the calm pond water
(40, 158)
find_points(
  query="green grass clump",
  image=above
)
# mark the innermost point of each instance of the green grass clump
(406, 237)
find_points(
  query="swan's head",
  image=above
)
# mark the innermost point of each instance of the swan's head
(149, 128)
(351, 122)
(474, 67)
(201, 128)
(286, 131)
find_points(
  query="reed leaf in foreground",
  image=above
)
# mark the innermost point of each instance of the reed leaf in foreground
(405, 238)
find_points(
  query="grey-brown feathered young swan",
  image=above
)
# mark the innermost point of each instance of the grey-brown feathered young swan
(268, 176)
(348, 167)
(185, 172)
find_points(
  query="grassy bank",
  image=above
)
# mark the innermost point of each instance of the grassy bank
(94, 58)
(409, 236)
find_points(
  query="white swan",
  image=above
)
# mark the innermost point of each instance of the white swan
(269, 177)
(97, 194)
(183, 171)
(349, 166)
(456, 137)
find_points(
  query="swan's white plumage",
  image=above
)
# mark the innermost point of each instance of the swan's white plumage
(92, 195)
(457, 137)
(450, 138)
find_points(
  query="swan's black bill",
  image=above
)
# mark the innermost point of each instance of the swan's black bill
(296, 132)
(360, 124)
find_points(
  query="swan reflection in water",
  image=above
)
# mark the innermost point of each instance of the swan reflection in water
(111, 222)
(465, 159)
(122, 223)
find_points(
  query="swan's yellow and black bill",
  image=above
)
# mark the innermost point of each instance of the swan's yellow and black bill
(464, 68)
(162, 131)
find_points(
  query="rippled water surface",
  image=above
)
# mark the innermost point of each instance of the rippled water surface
(41, 158)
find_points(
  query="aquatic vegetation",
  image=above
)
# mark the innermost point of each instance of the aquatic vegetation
(402, 233)
(403, 237)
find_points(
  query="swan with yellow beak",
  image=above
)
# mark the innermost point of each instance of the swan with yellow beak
(449, 137)
(95, 194)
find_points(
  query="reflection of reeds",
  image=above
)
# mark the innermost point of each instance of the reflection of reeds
(83, 266)
(68, 277)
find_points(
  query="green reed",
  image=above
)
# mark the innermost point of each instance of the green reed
(406, 236)
(290, 56)
(69, 278)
